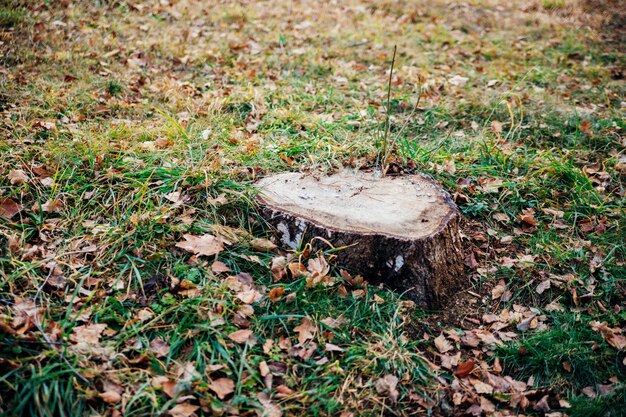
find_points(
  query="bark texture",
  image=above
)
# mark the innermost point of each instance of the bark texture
(424, 262)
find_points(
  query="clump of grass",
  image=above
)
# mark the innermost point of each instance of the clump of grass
(609, 405)
(553, 4)
(569, 354)
(10, 17)
(114, 88)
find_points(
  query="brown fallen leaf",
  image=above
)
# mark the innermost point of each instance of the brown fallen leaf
(279, 268)
(528, 216)
(543, 286)
(388, 385)
(318, 266)
(332, 348)
(263, 368)
(112, 392)
(481, 387)
(498, 290)
(52, 206)
(205, 245)
(262, 245)
(111, 397)
(319, 269)
(17, 177)
(501, 217)
(249, 296)
(240, 336)
(610, 335)
(222, 387)
(487, 406)
(585, 126)
(183, 410)
(334, 323)
(159, 347)
(219, 267)
(442, 344)
(9, 208)
(88, 334)
(306, 330)
(270, 409)
(465, 368)
(276, 294)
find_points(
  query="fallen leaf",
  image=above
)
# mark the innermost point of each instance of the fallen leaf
(498, 290)
(543, 286)
(585, 126)
(270, 409)
(487, 406)
(17, 177)
(450, 361)
(183, 410)
(388, 385)
(442, 344)
(332, 348)
(501, 217)
(333, 323)
(279, 268)
(458, 80)
(465, 368)
(528, 216)
(159, 347)
(318, 266)
(88, 334)
(175, 197)
(481, 387)
(249, 296)
(542, 404)
(263, 368)
(52, 206)
(222, 387)
(610, 335)
(111, 397)
(262, 245)
(9, 208)
(219, 267)
(206, 245)
(276, 294)
(306, 330)
(240, 336)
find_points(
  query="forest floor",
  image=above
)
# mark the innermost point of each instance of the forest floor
(137, 278)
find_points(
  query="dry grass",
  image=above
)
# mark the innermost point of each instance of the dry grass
(111, 107)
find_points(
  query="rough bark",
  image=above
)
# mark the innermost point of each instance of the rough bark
(417, 252)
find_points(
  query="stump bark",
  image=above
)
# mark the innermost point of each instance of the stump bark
(402, 231)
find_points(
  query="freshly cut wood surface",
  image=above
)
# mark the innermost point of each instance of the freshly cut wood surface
(399, 230)
(408, 207)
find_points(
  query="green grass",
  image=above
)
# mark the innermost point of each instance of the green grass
(112, 112)
(570, 354)
(10, 17)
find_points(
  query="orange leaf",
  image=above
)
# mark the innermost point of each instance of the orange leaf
(465, 368)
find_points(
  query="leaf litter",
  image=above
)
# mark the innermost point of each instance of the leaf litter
(229, 299)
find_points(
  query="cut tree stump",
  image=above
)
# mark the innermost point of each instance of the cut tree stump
(402, 231)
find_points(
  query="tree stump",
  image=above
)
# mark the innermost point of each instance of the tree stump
(402, 231)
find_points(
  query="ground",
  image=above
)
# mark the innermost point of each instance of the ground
(137, 277)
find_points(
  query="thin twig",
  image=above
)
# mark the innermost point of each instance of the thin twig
(395, 139)
(387, 120)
